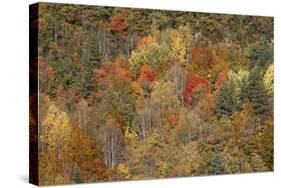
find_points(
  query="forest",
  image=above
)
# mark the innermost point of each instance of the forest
(129, 94)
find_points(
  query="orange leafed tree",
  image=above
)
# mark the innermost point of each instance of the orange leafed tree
(191, 84)
(222, 76)
(83, 151)
(145, 40)
(118, 23)
(109, 70)
(208, 60)
(147, 74)
(173, 119)
(202, 59)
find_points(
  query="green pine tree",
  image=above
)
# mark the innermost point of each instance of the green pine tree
(216, 165)
(256, 92)
(94, 54)
(225, 103)
(261, 54)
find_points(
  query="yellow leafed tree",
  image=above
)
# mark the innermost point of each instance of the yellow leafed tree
(268, 80)
(180, 44)
(54, 138)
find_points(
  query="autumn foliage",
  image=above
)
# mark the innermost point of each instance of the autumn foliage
(191, 84)
(145, 40)
(222, 76)
(173, 119)
(118, 24)
(116, 69)
(147, 74)
(130, 94)
(202, 58)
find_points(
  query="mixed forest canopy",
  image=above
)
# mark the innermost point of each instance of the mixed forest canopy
(137, 93)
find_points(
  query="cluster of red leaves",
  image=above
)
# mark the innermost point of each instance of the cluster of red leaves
(147, 74)
(118, 24)
(191, 84)
(222, 76)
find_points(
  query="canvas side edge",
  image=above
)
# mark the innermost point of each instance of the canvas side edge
(33, 94)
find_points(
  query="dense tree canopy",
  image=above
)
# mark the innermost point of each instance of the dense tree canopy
(133, 93)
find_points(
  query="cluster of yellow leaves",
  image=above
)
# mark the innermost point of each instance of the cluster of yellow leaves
(181, 41)
(131, 136)
(268, 80)
(123, 170)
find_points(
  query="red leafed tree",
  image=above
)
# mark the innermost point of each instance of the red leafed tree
(222, 76)
(191, 84)
(118, 23)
